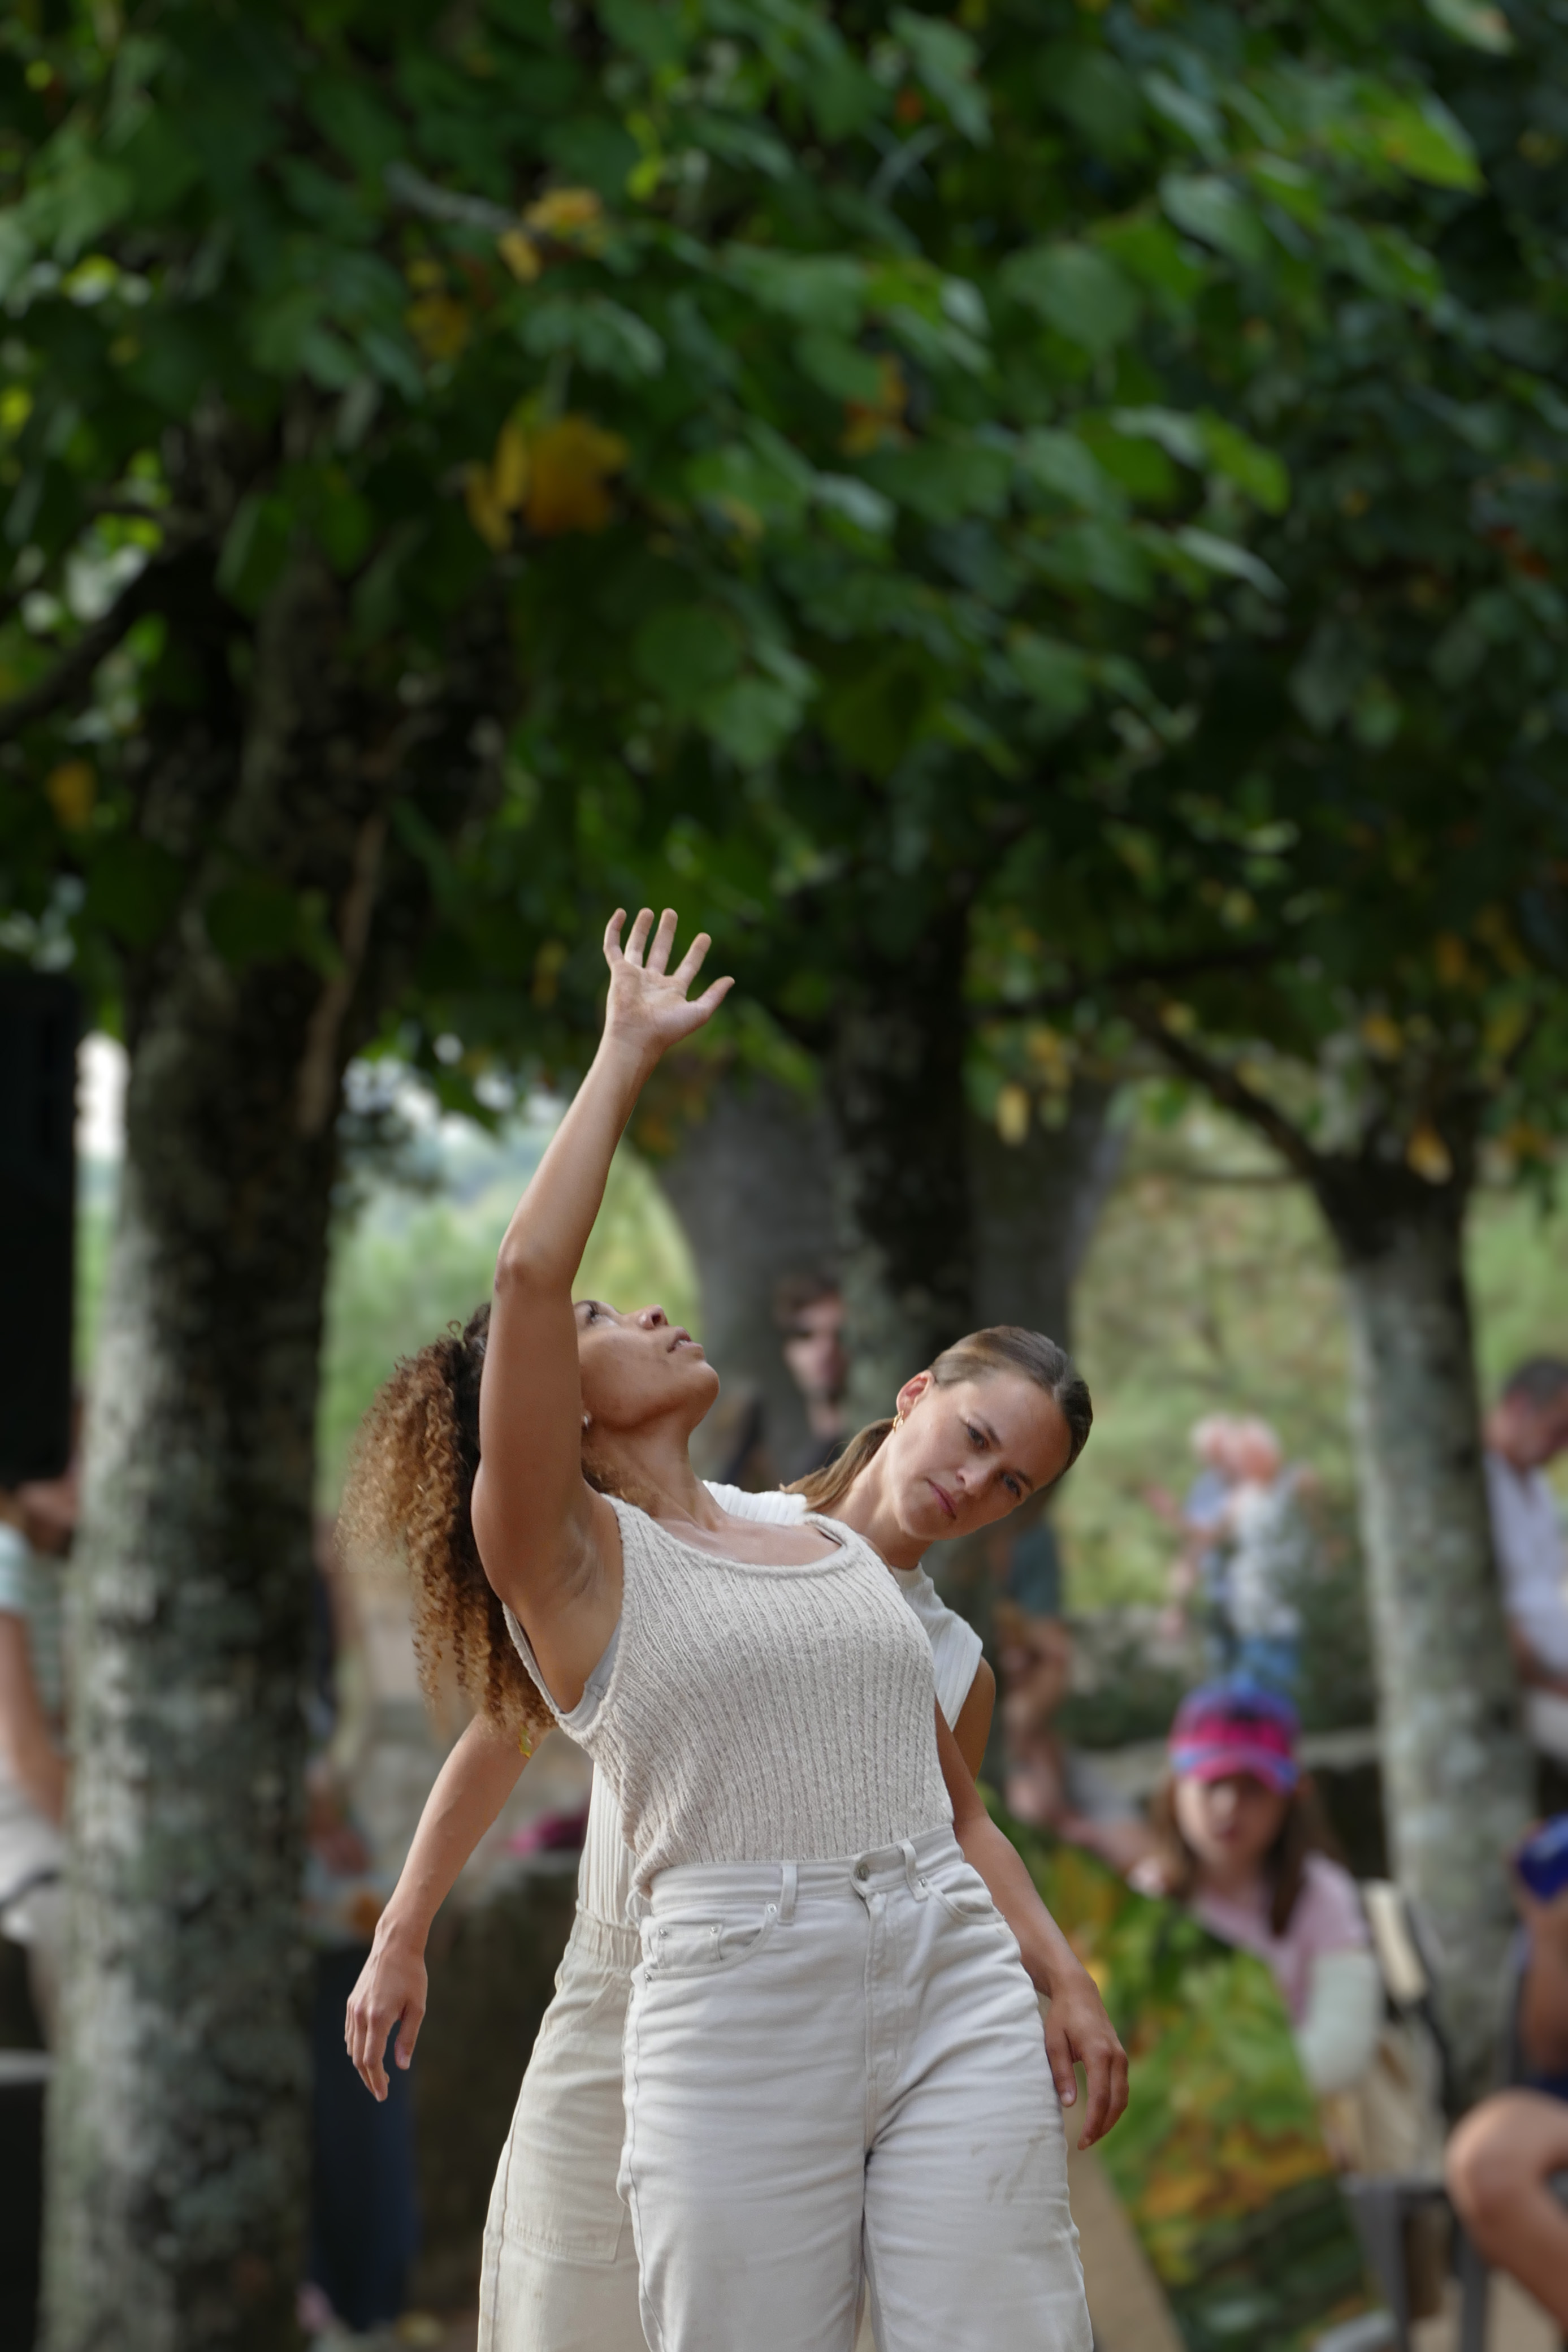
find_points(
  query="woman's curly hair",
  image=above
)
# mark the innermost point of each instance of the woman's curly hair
(409, 1490)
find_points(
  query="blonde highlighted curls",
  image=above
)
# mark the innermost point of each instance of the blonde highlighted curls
(409, 1490)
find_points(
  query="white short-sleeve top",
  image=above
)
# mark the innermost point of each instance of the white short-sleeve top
(605, 1873)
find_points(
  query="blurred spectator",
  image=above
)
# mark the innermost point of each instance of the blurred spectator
(1272, 1550)
(38, 1522)
(364, 2212)
(1046, 1782)
(1199, 1576)
(1237, 1834)
(1507, 2161)
(1526, 1428)
(809, 1309)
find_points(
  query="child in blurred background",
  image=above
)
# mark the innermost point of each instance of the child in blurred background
(1238, 1836)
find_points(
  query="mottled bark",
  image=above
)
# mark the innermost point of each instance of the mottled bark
(177, 2157)
(1036, 1205)
(895, 1084)
(752, 1186)
(1456, 1767)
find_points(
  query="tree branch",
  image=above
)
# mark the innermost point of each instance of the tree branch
(75, 667)
(1128, 975)
(1222, 1082)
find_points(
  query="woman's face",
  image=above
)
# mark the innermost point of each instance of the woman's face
(967, 1455)
(1229, 1824)
(639, 1367)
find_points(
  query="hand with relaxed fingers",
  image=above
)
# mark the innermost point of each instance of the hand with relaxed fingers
(648, 1009)
(1077, 2029)
(392, 1991)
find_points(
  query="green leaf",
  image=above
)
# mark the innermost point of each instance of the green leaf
(945, 481)
(752, 719)
(1059, 462)
(1081, 292)
(821, 290)
(253, 920)
(349, 116)
(608, 339)
(1422, 139)
(858, 503)
(683, 652)
(737, 478)
(839, 367)
(1477, 24)
(944, 61)
(1210, 209)
(1255, 470)
(1097, 95)
(656, 35)
(1054, 675)
(1179, 435)
(255, 550)
(875, 717)
(134, 890)
(1223, 555)
(1155, 260)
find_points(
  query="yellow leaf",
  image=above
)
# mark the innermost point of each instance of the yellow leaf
(71, 790)
(520, 254)
(1050, 1054)
(485, 513)
(569, 216)
(438, 325)
(1429, 1155)
(1453, 959)
(1382, 1035)
(868, 424)
(511, 468)
(1012, 1114)
(1506, 1026)
(573, 460)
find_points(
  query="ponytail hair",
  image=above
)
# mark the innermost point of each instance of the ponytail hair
(1003, 1348)
(410, 1491)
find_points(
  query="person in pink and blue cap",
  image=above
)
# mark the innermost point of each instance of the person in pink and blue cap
(1242, 1841)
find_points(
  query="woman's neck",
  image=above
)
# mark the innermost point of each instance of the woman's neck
(653, 1467)
(1244, 1883)
(868, 1509)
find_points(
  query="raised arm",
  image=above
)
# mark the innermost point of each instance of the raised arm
(470, 1789)
(549, 1545)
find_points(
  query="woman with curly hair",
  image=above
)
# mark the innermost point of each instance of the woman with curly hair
(831, 2041)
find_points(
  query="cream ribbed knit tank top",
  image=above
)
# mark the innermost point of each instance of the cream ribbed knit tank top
(759, 1713)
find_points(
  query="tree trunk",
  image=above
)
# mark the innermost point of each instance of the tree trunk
(1456, 1767)
(752, 1186)
(896, 1082)
(177, 2131)
(1036, 1207)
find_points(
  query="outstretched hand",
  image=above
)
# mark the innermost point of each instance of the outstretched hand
(648, 1009)
(1077, 2027)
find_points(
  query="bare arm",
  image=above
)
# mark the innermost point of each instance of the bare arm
(1076, 2027)
(549, 1545)
(470, 1789)
(1543, 1995)
(973, 1729)
(27, 1742)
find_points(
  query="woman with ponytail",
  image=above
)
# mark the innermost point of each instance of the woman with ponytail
(772, 1790)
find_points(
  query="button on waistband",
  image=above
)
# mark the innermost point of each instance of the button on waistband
(862, 1871)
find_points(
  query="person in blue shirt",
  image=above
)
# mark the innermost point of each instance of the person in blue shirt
(1508, 2155)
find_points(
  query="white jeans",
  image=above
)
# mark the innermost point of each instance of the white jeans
(559, 2269)
(828, 2062)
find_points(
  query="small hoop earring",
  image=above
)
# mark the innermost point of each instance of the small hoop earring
(586, 1419)
(898, 1419)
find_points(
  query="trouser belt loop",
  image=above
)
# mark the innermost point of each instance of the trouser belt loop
(638, 1907)
(787, 1891)
(917, 1886)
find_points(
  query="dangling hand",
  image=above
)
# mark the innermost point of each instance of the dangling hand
(648, 1011)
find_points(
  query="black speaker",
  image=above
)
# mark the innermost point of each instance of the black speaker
(39, 1020)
